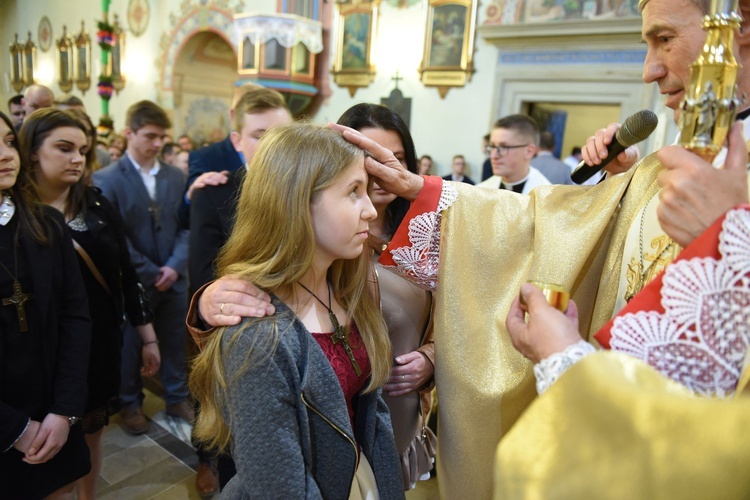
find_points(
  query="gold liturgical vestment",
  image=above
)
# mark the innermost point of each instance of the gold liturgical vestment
(615, 428)
(491, 243)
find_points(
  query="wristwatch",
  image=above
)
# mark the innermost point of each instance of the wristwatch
(72, 420)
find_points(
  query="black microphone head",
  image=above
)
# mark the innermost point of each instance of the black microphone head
(637, 127)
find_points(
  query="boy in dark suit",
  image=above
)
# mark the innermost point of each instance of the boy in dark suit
(148, 193)
(458, 166)
(211, 214)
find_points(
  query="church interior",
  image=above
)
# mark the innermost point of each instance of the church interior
(188, 55)
(449, 68)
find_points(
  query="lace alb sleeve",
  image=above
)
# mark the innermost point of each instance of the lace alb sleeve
(548, 370)
(418, 261)
(702, 337)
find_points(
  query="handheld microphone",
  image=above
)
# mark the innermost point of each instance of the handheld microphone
(634, 129)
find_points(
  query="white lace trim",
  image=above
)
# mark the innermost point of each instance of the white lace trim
(548, 370)
(418, 262)
(288, 31)
(78, 223)
(702, 337)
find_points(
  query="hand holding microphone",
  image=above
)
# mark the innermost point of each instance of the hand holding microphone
(604, 148)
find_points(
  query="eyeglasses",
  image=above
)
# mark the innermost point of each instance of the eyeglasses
(502, 150)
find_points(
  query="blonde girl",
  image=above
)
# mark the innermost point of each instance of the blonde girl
(296, 396)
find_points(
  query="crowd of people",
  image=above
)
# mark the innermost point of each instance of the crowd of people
(330, 284)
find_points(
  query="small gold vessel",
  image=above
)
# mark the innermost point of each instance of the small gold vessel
(556, 295)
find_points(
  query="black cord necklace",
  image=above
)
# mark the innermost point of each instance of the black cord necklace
(340, 334)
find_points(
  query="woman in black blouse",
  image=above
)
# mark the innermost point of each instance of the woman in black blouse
(44, 340)
(54, 143)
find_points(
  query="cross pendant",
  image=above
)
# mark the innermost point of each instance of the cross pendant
(153, 210)
(19, 300)
(340, 334)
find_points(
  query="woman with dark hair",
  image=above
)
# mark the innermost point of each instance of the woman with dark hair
(405, 307)
(92, 153)
(55, 145)
(45, 332)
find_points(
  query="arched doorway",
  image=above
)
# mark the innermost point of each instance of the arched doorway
(203, 79)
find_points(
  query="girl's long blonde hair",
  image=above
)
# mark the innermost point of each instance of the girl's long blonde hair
(272, 245)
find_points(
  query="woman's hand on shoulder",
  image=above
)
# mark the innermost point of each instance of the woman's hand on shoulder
(229, 299)
(410, 372)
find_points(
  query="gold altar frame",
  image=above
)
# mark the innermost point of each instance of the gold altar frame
(448, 56)
(352, 70)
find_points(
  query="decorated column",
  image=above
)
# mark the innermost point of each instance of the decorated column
(107, 39)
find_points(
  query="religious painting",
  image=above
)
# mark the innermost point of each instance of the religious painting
(356, 40)
(44, 34)
(353, 66)
(447, 35)
(447, 59)
(139, 12)
(206, 120)
(505, 12)
(536, 11)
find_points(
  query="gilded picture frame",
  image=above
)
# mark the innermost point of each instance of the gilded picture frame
(355, 34)
(447, 59)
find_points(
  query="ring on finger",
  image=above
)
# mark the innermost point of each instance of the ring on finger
(221, 308)
(403, 378)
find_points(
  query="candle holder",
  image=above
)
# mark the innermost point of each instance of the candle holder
(29, 61)
(16, 65)
(83, 60)
(65, 66)
(116, 57)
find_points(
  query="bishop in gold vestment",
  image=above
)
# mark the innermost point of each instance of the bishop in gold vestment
(490, 242)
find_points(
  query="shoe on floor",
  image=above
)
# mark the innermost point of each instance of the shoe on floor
(133, 420)
(182, 410)
(207, 479)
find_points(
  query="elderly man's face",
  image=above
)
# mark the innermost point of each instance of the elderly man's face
(36, 99)
(672, 31)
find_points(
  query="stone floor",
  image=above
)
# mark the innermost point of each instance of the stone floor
(161, 463)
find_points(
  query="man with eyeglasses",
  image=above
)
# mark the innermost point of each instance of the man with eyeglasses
(512, 146)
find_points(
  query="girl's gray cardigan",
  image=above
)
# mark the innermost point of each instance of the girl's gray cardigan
(291, 433)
